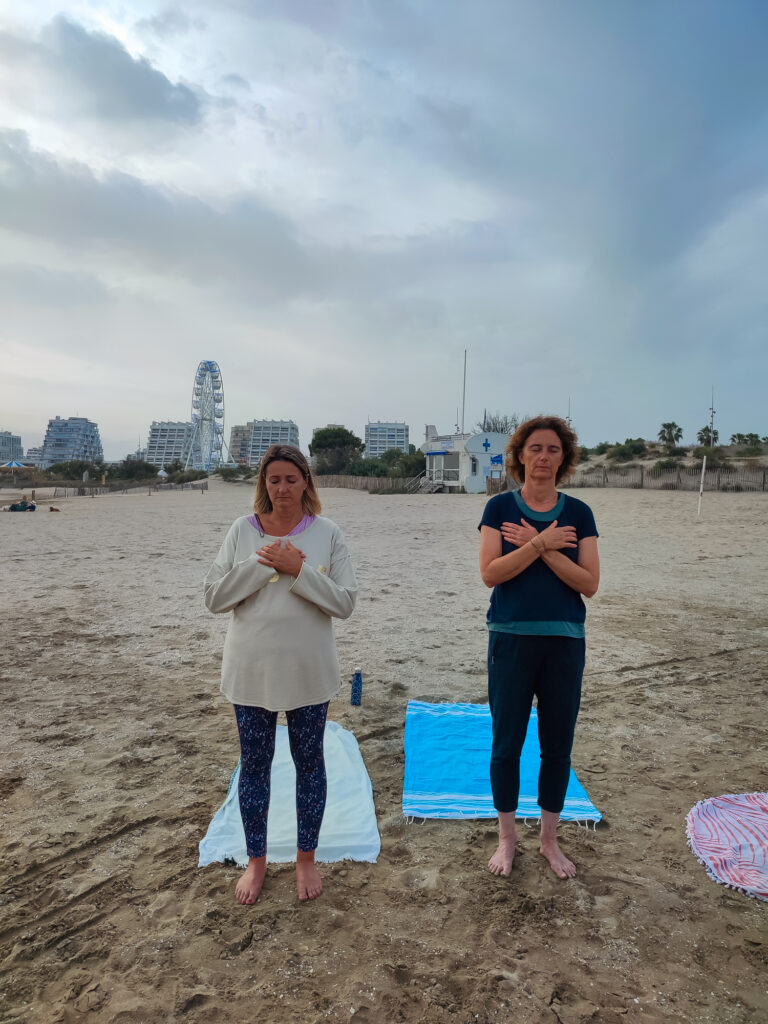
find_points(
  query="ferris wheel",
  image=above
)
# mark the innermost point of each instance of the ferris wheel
(207, 439)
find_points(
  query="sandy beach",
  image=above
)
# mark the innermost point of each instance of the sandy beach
(116, 748)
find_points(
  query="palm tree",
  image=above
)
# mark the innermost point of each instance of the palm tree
(708, 437)
(670, 434)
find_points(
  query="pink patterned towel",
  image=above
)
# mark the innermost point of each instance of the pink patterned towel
(729, 835)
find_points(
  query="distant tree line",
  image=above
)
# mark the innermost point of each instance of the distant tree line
(336, 450)
(129, 470)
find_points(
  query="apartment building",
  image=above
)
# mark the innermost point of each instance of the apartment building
(380, 437)
(168, 441)
(249, 442)
(69, 439)
(10, 447)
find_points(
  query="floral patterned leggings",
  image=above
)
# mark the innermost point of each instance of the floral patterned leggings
(257, 746)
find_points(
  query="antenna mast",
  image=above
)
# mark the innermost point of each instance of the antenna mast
(712, 419)
(464, 392)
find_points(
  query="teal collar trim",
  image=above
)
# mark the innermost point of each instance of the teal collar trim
(541, 517)
(573, 629)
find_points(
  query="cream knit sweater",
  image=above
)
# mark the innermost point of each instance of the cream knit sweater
(280, 652)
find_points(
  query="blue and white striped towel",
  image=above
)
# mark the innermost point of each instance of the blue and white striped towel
(447, 760)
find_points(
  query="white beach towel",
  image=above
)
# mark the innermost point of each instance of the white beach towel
(349, 830)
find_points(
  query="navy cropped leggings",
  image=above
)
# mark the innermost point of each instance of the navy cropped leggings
(521, 668)
(257, 727)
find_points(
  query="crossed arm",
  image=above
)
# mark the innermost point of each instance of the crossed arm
(582, 575)
(333, 589)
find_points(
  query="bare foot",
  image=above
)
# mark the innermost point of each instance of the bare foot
(249, 886)
(559, 863)
(308, 880)
(501, 862)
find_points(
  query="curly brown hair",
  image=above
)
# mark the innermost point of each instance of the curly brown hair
(568, 440)
(310, 500)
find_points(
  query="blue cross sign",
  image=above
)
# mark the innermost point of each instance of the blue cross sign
(486, 444)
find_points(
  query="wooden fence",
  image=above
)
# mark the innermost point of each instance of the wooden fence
(193, 485)
(364, 483)
(86, 491)
(683, 478)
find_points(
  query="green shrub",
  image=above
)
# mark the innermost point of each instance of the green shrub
(621, 453)
(667, 464)
(584, 454)
(715, 457)
(632, 447)
(752, 450)
(602, 447)
(234, 472)
(74, 470)
(187, 476)
(134, 469)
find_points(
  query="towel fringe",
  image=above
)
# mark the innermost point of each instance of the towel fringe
(689, 835)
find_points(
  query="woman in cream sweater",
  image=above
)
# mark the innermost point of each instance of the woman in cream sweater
(284, 573)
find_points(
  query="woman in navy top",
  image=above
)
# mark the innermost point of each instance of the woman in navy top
(538, 551)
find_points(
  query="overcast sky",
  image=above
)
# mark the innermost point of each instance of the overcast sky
(334, 198)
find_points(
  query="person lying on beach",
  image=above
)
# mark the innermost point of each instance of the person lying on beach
(284, 573)
(538, 551)
(23, 506)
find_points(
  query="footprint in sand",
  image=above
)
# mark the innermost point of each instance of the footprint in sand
(427, 879)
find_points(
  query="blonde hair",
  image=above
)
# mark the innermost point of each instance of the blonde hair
(310, 500)
(568, 440)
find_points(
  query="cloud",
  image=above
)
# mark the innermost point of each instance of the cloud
(148, 229)
(239, 245)
(237, 81)
(91, 74)
(36, 287)
(169, 23)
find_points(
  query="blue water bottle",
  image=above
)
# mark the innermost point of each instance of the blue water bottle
(357, 687)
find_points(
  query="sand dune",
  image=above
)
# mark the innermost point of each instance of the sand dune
(116, 748)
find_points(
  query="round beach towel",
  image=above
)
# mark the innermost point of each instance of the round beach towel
(729, 835)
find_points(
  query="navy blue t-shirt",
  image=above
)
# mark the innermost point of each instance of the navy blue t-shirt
(537, 602)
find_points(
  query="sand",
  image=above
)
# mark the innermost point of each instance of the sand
(116, 748)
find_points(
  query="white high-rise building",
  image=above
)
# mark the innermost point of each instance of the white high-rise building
(34, 456)
(249, 442)
(380, 437)
(168, 441)
(72, 439)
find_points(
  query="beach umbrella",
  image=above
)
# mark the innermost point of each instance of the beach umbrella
(13, 465)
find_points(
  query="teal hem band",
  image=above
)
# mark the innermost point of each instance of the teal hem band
(541, 517)
(574, 629)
